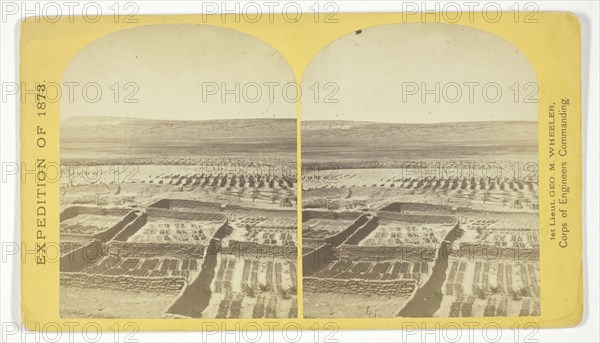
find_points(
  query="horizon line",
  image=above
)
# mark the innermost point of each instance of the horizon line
(311, 120)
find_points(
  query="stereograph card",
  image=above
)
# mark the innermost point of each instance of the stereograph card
(362, 173)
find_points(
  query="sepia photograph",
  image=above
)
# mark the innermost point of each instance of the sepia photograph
(298, 171)
(178, 189)
(420, 179)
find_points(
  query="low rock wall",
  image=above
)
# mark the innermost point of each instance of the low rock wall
(162, 285)
(392, 288)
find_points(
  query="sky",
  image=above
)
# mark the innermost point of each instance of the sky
(389, 74)
(400, 73)
(179, 72)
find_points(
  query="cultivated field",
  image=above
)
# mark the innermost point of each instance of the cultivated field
(181, 227)
(253, 288)
(495, 270)
(395, 230)
(265, 227)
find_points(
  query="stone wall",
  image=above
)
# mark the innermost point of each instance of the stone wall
(327, 252)
(74, 237)
(347, 215)
(496, 214)
(109, 234)
(73, 211)
(251, 211)
(83, 257)
(363, 231)
(186, 215)
(343, 235)
(310, 244)
(493, 253)
(409, 253)
(162, 285)
(223, 231)
(131, 228)
(106, 235)
(91, 253)
(242, 248)
(148, 250)
(417, 218)
(202, 210)
(316, 259)
(393, 288)
(406, 207)
(182, 204)
(68, 246)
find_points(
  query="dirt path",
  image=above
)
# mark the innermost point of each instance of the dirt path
(428, 298)
(196, 297)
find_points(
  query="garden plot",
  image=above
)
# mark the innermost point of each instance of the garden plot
(485, 288)
(521, 233)
(264, 305)
(271, 236)
(165, 226)
(264, 227)
(253, 275)
(399, 233)
(475, 224)
(509, 238)
(399, 229)
(491, 306)
(147, 267)
(515, 231)
(253, 288)
(481, 285)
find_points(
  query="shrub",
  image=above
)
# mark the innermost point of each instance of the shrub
(524, 291)
(495, 289)
(516, 295)
(293, 290)
(286, 294)
(262, 287)
(249, 291)
(480, 292)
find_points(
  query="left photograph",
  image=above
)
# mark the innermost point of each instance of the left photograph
(178, 188)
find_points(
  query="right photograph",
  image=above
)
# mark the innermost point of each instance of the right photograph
(420, 176)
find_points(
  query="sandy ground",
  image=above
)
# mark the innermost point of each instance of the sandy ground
(76, 302)
(336, 305)
(142, 195)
